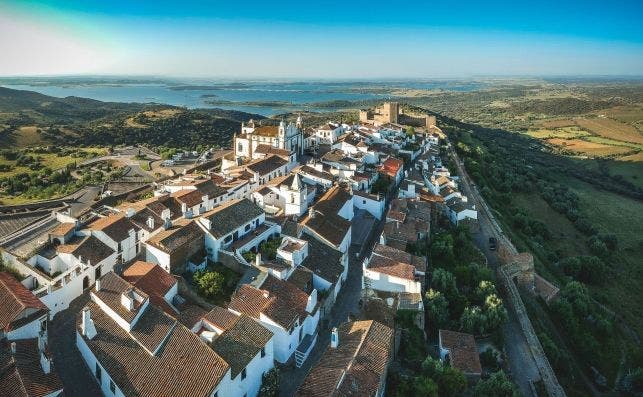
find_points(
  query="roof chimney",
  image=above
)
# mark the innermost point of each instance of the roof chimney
(13, 347)
(87, 324)
(334, 338)
(311, 212)
(150, 222)
(127, 300)
(130, 212)
(97, 285)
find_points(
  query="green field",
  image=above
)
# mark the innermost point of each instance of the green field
(49, 160)
(562, 132)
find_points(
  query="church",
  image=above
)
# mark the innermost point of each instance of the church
(255, 141)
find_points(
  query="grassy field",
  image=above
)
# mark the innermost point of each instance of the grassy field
(632, 114)
(569, 132)
(558, 123)
(607, 141)
(611, 129)
(623, 217)
(50, 160)
(591, 149)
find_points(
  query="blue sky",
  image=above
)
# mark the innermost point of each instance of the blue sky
(324, 39)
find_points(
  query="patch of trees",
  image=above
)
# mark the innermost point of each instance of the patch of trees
(560, 106)
(462, 293)
(215, 283)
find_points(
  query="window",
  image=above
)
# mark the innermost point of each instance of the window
(240, 147)
(363, 201)
(112, 386)
(247, 227)
(99, 372)
(227, 239)
(243, 374)
(263, 352)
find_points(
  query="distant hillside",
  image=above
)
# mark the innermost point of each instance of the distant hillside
(29, 118)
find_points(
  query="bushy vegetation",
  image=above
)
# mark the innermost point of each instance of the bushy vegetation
(462, 293)
(215, 283)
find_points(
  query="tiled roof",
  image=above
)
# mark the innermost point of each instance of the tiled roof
(21, 374)
(279, 300)
(306, 169)
(117, 227)
(391, 166)
(331, 227)
(170, 240)
(152, 328)
(231, 215)
(266, 165)
(463, 352)
(391, 267)
(183, 367)
(189, 197)
(210, 188)
(267, 130)
(333, 200)
(63, 228)
(153, 280)
(15, 300)
(267, 149)
(141, 217)
(240, 343)
(302, 278)
(111, 289)
(87, 248)
(323, 260)
(400, 256)
(357, 367)
(220, 317)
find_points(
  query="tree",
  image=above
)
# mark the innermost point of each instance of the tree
(495, 312)
(451, 382)
(444, 281)
(425, 387)
(410, 131)
(497, 385)
(437, 308)
(270, 384)
(209, 283)
(473, 320)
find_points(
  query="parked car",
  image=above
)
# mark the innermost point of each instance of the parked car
(492, 243)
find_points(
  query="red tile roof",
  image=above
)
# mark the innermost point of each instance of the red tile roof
(463, 352)
(16, 299)
(21, 374)
(392, 166)
(153, 280)
(357, 367)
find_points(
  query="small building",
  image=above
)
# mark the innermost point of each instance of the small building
(393, 270)
(172, 248)
(460, 351)
(158, 284)
(22, 314)
(394, 169)
(27, 369)
(354, 364)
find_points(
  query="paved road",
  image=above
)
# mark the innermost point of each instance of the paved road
(520, 358)
(76, 377)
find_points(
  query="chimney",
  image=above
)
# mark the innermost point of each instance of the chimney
(87, 324)
(150, 222)
(45, 363)
(129, 213)
(258, 259)
(167, 224)
(334, 338)
(311, 212)
(127, 300)
(97, 285)
(13, 347)
(184, 208)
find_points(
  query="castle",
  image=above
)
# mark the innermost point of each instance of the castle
(389, 112)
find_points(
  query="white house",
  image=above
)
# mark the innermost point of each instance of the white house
(288, 312)
(315, 174)
(393, 270)
(375, 204)
(115, 342)
(23, 315)
(287, 195)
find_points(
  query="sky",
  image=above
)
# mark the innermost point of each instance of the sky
(321, 39)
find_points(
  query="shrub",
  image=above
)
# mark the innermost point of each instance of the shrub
(270, 384)
(209, 283)
(497, 385)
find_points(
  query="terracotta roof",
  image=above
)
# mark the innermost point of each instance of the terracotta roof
(267, 149)
(463, 352)
(184, 367)
(21, 374)
(333, 200)
(323, 260)
(111, 289)
(63, 228)
(306, 169)
(117, 227)
(190, 197)
(183, 232)
(302, 278)
(242, 342)
(220, 317)
(16, 299)
(210, 188)
(229, 216)
(391, 166)
(356, 367)
(332, 227)
(141, 217)
(279, 300)
(400, 256)
(154, 281)
(266, 165)
(87, 248)
(266, 130)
